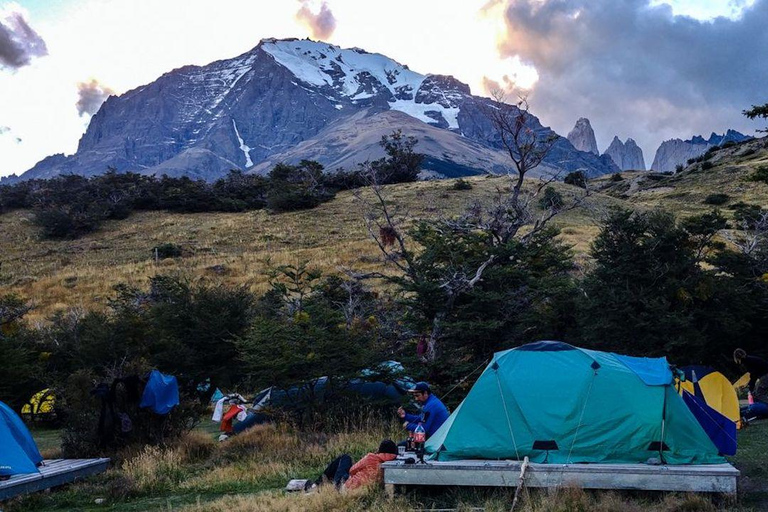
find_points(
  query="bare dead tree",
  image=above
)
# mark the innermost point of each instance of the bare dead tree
(509, 212)
(752, 240)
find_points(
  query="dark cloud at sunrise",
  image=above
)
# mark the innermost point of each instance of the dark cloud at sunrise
(91, 95)
(637, 70)
(19, 42)
(321, 23)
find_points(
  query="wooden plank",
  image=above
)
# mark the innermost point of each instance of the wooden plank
(52, 473)
(720, 478)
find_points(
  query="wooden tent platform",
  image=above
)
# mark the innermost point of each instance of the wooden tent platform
(52, 473)
(718, 478)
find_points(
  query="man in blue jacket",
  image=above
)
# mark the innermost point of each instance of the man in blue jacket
(433, 412)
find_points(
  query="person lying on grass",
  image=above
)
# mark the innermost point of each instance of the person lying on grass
(367, 471)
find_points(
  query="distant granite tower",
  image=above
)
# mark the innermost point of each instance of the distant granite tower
(628, 156)
(583, 137)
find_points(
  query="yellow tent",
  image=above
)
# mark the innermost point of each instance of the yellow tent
(716, 390)
(742, 382)
(40, 406)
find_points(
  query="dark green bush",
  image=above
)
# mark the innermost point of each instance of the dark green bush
(461, 184)
(747, 215)
(706, 165)
(167, 250)
(760, 175)
(551, 200)
(577, 179)
(717, 199)
(617, 177)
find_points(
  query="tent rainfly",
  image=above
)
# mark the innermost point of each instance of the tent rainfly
(560, 404)
(18, 451)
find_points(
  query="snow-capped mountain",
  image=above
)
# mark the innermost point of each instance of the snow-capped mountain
(291, 99)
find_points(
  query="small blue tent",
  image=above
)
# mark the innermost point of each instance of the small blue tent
(18, 451)
(161, 393)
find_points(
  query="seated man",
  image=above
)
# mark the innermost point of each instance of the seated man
(433, 412)
(367, 470)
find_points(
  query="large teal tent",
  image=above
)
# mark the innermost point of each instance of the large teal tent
(560, 404)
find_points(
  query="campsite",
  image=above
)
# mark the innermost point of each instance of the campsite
(333, 255)
(249, 472)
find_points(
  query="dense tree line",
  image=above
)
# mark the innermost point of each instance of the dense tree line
(657, 287)
(70, 206)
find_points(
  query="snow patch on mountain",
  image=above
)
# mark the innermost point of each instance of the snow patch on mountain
(359, 75)
(243, 147)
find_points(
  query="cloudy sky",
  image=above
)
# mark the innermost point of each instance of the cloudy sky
(646, 69)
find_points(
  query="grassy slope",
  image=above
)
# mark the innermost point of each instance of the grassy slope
(61, 274)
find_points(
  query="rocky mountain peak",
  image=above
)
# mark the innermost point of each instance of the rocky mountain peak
(583, 137)
(675, 152)
(626, 155)
(282, 101)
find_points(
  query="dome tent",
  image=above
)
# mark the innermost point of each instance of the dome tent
(41, 406)
(19, 453)
(713, 387)
(557, 403)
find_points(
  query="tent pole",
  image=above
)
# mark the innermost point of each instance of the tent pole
(663, 427)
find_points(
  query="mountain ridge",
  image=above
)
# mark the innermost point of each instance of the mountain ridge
(202, 121)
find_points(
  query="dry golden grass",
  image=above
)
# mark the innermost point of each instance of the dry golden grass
(57, 275)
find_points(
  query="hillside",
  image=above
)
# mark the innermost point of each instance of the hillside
(684, 193)
(235, 247)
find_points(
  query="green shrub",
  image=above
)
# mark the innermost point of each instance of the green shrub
(617, 177)
(167, 250)
(717, 199)
(551, 200)
(577, 179)
(747, 215)
(706, 165)
(461, 184)
(679, 168)
(760, 175)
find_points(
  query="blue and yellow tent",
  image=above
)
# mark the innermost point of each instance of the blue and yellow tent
(18, 451)
(561, 404)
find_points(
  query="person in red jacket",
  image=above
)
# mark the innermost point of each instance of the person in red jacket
(367, 470)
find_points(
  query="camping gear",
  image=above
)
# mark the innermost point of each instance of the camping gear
(18, 451)
(161, 394)
(713, 387)
(561, 404)
(40, 406)
(384, 383)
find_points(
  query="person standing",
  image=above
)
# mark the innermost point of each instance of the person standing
(433, 411)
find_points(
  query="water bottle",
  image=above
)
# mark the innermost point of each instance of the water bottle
(750, 398)
(419, 435)
(419, 438)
